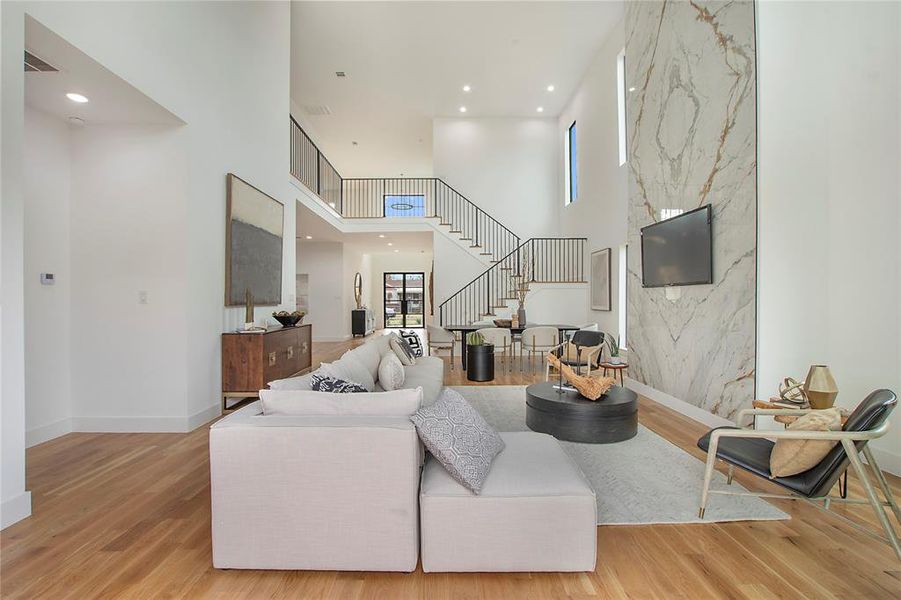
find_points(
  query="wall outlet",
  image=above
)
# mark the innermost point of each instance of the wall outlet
(142, 297)
(48, 279)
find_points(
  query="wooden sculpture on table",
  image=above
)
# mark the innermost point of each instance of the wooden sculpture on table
(590, 387)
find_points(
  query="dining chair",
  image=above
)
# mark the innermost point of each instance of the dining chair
(540, 339)
(441, 338)
(500, 337)
(580, 352)
(750, 450)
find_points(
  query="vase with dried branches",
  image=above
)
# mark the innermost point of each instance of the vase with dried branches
(520, 283)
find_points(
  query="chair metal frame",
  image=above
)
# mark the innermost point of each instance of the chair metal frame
(591, 357)
(847, 440)
(442, 345)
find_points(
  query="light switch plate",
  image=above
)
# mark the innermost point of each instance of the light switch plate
(48, 279)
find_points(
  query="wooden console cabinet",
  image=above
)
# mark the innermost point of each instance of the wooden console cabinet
(251, 360)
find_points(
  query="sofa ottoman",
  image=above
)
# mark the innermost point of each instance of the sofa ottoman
(536, 512)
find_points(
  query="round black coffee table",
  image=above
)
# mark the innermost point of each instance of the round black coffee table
(571, 417)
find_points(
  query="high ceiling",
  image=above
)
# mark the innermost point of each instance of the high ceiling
(407, 62)
(111, 99)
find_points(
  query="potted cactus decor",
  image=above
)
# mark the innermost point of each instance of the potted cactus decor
(479, 358)
(614, 349)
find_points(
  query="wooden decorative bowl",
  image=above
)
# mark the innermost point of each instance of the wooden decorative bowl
(503, 322)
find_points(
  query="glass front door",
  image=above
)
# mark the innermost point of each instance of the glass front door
(404, 300)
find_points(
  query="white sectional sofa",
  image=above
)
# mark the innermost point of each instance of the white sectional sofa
(320, 492)
(333, 489)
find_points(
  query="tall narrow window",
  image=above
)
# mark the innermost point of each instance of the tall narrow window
(571, 164)
(621, 103)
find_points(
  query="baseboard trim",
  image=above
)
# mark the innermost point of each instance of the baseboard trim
(45, 433)
(130, 424)
(15, 509)
(204, 416)
(681, 406)
(888, 461)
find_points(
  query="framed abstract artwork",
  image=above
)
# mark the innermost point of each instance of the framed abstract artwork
(600, 279)
(253, 245)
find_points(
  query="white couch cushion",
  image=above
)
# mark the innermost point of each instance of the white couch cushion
(368, 354)
(349, 368)
(428, 373)
(536, 512)
(391, 372)
(303, 403)
(304, 382)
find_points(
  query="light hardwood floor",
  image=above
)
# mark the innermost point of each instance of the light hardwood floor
(128, 516)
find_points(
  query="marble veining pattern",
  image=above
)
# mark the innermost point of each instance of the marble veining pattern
(692, 139)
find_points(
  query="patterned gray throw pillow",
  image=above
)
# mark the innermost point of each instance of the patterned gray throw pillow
(459, 438)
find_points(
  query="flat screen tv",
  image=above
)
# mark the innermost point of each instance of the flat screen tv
(678, 251)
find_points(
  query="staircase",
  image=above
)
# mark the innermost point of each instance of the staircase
(513, 264)
(536, 260)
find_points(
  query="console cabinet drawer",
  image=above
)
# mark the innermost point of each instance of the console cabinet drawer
(250, 361)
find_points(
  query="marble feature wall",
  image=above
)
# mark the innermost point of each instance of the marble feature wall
(690, 69)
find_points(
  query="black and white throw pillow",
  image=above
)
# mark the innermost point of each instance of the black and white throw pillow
(413, 341)
(338, 386)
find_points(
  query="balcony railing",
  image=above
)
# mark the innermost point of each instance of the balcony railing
(369, 198)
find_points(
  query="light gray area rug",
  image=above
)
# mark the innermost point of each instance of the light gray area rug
(641, 481)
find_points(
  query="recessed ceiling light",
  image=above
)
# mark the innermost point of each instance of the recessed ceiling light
(76, 97)
(355, 143)
(540, 109)
(390, 243)
(309, 237)
(550, 88)
(381, 235)
(467, 88)
(332, 204)
(463, 109)
(397, 250)
(631, 89)
(76, 122)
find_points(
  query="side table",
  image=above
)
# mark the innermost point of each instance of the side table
(619, 368)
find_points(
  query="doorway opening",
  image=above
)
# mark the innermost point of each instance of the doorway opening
(404, 300)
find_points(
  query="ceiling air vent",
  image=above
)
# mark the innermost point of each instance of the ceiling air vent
(317, 111)
(33, 63)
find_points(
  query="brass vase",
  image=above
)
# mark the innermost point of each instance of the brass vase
(820, 387)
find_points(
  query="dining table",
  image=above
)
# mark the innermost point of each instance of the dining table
(562, 330)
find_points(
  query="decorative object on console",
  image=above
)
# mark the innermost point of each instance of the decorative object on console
(791, 390)
(590, 387)
(479, 358)
(413, 341)
(253, 244)
(358, 290)
(459, 438)
(289, 319)
(322, 383)
(600, 280)
(391, 372)
(819, 387)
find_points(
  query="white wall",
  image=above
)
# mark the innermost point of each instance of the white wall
(600, 212)
(15, 501)
(129, 235)
(454, 268)
(236, 115)
(323, 262)
(47, 174)
(829, 134)
(506, 166)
